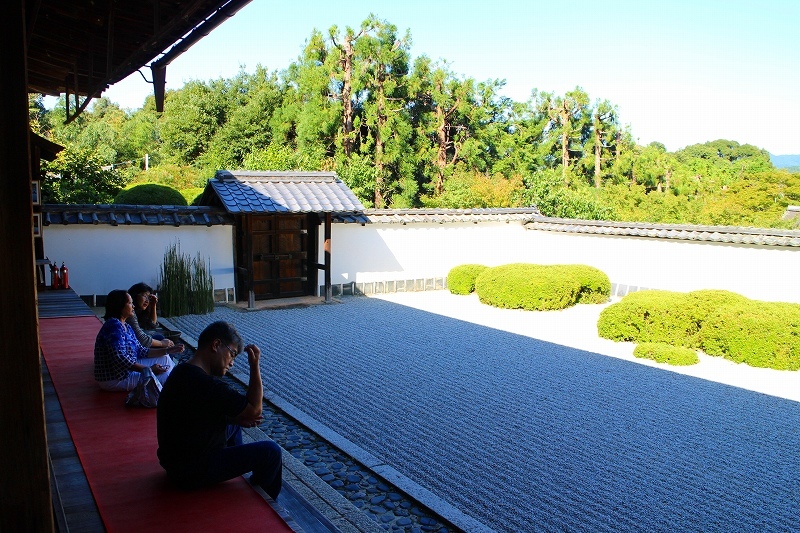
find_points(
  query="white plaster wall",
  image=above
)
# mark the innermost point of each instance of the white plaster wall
(382, 252)
(102, 257)
(386, 252)
(758, 272)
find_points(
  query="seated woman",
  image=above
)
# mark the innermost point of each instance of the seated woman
(145, 317)
(119, 357)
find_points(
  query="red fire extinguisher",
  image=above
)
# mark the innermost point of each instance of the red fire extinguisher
(55, 281)
(64, 276)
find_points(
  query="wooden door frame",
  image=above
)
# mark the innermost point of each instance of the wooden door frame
(243, 255)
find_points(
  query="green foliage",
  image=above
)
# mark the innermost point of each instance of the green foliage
(761, 334)
(721, 323)
(665, 353)
(281, 157)
(595, 287)
(150, 194)
(541, 287)
(192, 195)
(650, 316)
(77, 176)
(192, 115)
(547, 191)
(185, 283)
(176, 176)
(461, 279)
(465, 190)
(359, 174)
(405, 134)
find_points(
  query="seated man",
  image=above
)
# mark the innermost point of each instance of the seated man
(200, 418)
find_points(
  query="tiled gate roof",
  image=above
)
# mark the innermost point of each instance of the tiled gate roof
(241, 192)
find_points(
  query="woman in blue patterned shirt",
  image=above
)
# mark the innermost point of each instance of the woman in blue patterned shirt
(118, 356)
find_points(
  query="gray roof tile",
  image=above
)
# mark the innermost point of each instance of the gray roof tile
(135, 215)
(443, 216)
(729, 234)
(282, 192)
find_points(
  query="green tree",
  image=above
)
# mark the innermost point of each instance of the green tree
(249, 111)
(383, 74)
(311, 112)
(192, 115)
(37, 114)
(77, 176)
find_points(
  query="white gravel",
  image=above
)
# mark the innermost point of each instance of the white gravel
(577, 327)
(520, 422)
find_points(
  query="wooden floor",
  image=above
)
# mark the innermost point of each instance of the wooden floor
(73, 503)
(53, 304)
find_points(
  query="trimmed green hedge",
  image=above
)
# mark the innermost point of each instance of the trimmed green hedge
(150, 194)
(721, 323)
(666, 353)
(461, 279)
(192, 195)
(761, 334)
(541, 287)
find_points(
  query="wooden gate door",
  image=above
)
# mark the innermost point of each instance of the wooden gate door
(279, 252)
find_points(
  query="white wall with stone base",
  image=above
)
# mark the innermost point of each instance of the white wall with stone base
(383, 257)
(392, 257)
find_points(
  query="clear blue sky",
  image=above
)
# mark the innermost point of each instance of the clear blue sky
(680, 71)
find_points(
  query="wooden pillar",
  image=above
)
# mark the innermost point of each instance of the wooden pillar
(328, 289)
(25, 502)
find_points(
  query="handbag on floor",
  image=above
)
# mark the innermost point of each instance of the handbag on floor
(146, 392)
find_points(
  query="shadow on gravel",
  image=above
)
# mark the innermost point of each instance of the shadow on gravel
(525, 435)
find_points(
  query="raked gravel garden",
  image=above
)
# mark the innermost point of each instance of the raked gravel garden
(528, 421)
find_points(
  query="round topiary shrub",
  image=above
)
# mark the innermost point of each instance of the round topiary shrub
(760, 334)
(666, 353)
(721, 323)
(461, 279)
(594, 283)
(651, 316)
(526, 286)
(150, 194)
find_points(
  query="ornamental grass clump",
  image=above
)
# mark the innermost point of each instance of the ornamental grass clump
(720, 323)
(541, 287)
(666, 353)
(185, 284)
(461, 279)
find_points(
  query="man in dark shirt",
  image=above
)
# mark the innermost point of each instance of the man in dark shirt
(200, 418)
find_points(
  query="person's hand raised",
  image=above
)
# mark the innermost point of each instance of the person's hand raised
(253, 354)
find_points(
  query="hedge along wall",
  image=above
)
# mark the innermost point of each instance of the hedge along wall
(393, 251)
(104, 257)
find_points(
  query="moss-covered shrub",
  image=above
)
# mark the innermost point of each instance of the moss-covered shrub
(651, 316)
(541, 287)
(461, 279)
(666, 353)
(150, 194)
(721, 323)
(761, 334)
(595, 285)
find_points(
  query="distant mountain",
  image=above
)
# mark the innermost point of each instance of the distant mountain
(785, 161)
